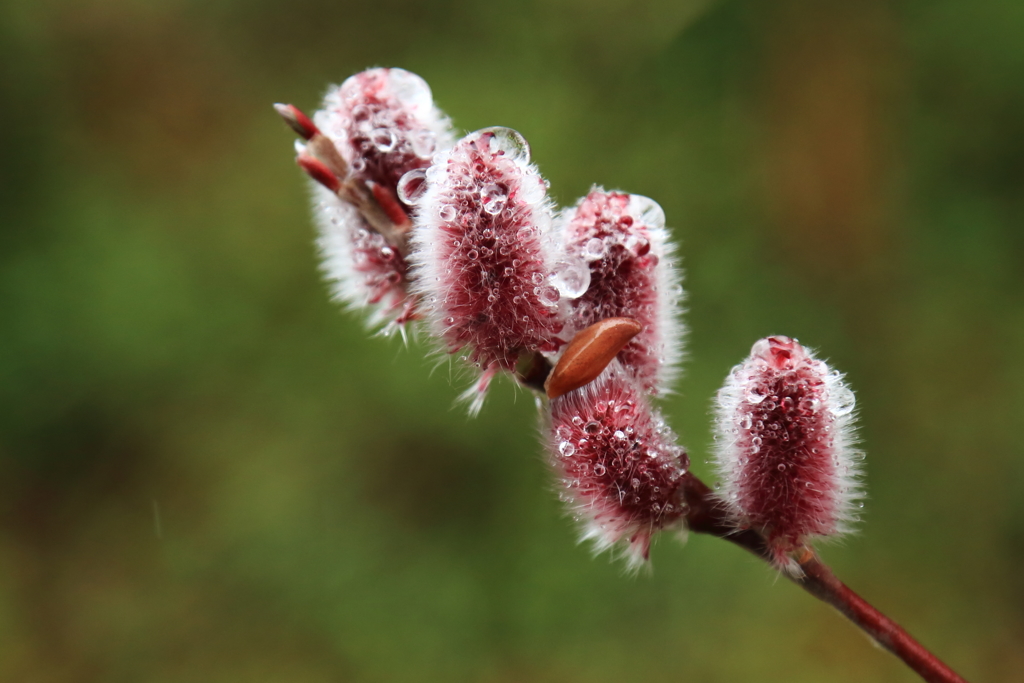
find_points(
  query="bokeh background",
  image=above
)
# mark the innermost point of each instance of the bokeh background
(208, 472)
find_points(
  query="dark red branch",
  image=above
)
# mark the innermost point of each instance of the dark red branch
(707, 516)
(819, 581)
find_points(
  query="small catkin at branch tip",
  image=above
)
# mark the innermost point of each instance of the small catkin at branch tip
(377, 126)
(785, 454)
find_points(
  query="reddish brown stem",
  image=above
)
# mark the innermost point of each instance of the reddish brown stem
(819, 581)
(707, 516)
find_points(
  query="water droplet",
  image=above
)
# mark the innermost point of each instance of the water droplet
(563, 432)
(548, 296)
(747, 422)
(412, 186)
(593, 249)
(566, 449)
(383, 139)
(647, 211)
(447, 214)
(843, 401)
(508, 142)
(592, 427)
(360, 113)
(493, 198)
(620, 435)
(599, 470)
(436, 172)
(571, 278)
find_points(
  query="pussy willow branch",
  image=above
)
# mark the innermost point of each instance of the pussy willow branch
(706, 514)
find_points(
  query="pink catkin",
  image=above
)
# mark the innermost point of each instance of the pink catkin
(480, 245)
(632, 274)
(384, 124)
(366, 271)
(784, 446)
(619, 464)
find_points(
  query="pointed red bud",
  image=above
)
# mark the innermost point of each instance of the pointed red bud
(296, 120)
(318, 171)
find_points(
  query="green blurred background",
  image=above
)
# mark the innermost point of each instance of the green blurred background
(210, 473)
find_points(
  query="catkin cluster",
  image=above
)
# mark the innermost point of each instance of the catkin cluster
(418, 226)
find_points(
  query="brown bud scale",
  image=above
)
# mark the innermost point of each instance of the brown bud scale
(589, 353)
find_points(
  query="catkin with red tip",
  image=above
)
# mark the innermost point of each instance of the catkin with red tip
(785, 446)
(619, 464)
(480, 245)
(620, 243)
(384, 124)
